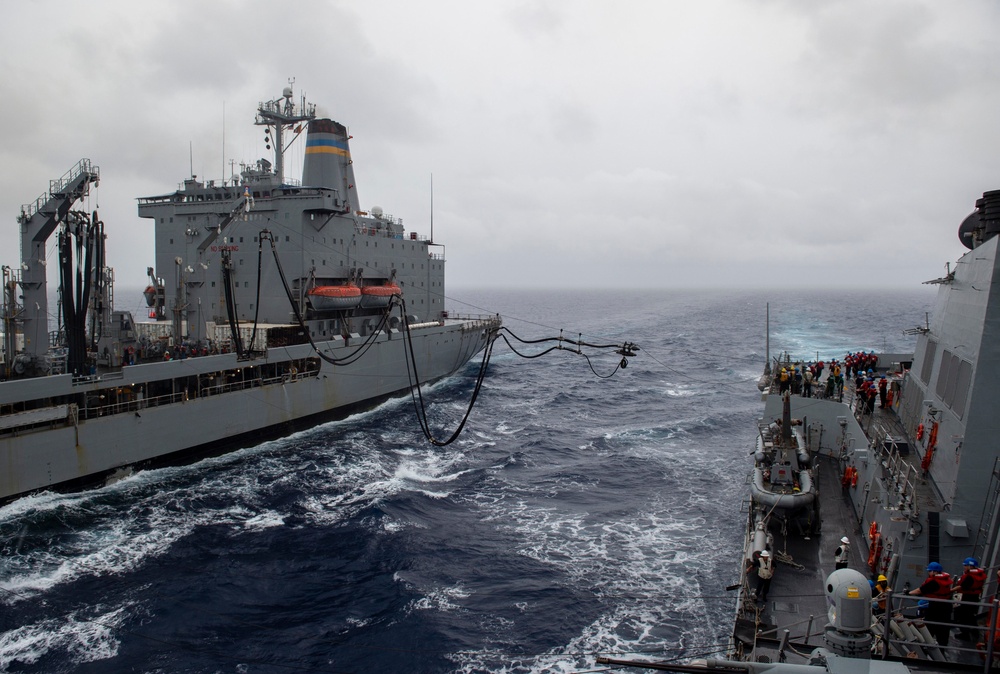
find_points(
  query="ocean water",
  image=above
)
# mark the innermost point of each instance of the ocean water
(577, 515)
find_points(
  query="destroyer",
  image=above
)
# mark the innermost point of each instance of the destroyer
(276, 304)
(913, 486)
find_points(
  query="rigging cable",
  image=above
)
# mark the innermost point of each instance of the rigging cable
(418, 398)
(346, 360)
(626, 350)
(227, 285)
(256, 312)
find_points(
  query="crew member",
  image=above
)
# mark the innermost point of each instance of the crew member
(882, 592)
(843, 553)
(970, 584)
(937, 588)
(765, 571)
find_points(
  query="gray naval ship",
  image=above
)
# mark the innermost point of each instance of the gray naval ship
(274, 304)
(898, 492)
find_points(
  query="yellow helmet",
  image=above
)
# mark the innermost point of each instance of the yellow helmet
(882, 579)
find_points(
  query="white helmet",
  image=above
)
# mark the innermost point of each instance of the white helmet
(845, 539)
(765, 553)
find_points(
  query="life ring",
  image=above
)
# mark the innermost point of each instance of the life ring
(873, 530)
(920, 432)
(854, 477)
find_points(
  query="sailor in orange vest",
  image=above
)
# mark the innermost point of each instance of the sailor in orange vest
(937, 586)
(970, 584)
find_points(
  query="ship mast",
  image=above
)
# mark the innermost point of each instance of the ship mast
(276, 116)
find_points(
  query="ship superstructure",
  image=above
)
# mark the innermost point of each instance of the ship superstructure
(321, 235)
(273, 304)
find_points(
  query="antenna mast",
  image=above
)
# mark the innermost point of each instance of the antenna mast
(278, 114)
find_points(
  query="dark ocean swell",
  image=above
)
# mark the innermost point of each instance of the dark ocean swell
(575, 516)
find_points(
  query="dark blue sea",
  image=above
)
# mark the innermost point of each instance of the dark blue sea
(577, 515)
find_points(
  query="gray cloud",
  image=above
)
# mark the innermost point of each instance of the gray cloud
(718, 143)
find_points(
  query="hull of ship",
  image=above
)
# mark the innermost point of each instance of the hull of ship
(84, 452)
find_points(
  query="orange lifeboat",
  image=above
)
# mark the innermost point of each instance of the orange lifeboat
(334, 298)
(378, 297)
(150, 294)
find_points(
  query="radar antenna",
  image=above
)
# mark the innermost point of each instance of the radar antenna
(279, 115)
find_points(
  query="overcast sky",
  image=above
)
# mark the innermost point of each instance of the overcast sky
(662, 143)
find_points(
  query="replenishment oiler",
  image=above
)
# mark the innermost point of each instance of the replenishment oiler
(274, 304)
(873, 514)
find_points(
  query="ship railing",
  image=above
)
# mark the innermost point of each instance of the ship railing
(385, 231)
(905, 631)
(92, 378)
(471, 317)
(58, 185)
(476, 322)
(898, 472)
(136, 404)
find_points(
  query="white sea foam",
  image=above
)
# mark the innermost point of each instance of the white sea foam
(640, 563)
(85, 637)
(442, 599)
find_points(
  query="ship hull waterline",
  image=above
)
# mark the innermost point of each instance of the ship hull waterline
(85, 453)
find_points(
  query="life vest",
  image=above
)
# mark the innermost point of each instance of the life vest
(880, 588)
(766, 570)
(850, 477)
(846, 478)
(842, 554)
(978, 577)
(943, 590)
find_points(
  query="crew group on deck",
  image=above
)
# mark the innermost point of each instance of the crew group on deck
(806, 379)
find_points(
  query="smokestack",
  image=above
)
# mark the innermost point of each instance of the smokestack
(328, 160)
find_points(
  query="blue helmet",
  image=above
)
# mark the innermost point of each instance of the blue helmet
(970, 561)
(934, 566)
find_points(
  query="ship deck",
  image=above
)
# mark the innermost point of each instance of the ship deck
(797, 601)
